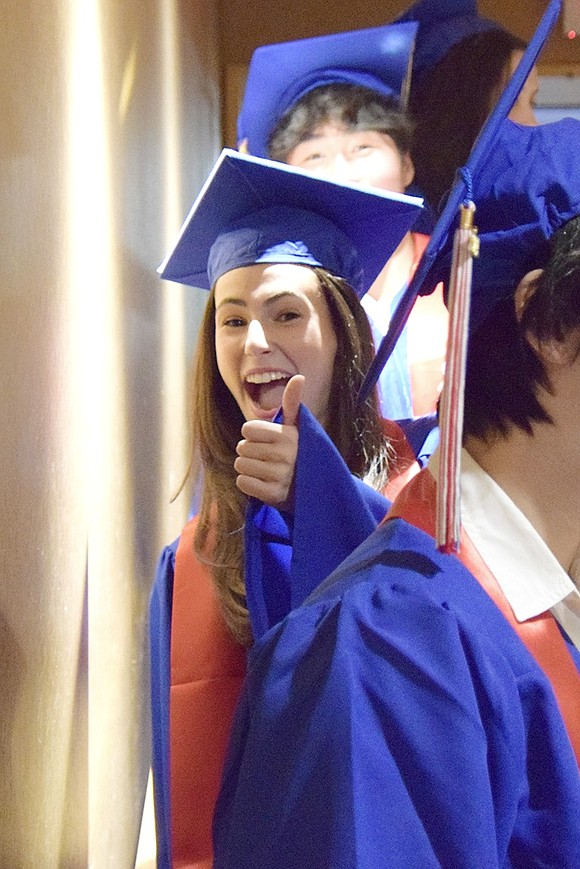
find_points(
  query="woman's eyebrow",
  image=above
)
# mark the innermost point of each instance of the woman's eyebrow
(230, 300)
(281, 295)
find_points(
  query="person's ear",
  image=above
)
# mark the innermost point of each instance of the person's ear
(524, 291)
(407, 170)
(551, 351)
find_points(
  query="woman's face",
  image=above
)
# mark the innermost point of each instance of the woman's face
(271, 322)
(359, 157)
(523, 108)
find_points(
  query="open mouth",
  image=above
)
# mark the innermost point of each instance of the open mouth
(266, 388)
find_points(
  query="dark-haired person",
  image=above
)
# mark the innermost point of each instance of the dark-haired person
(461, 64)
(334, 109)
(421, 709)
(283, 325)
(451, 104)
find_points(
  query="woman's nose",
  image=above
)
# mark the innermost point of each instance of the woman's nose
(256, 341)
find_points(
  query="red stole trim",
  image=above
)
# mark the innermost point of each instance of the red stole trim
(403, 464)
(540, 635)
(207, 670)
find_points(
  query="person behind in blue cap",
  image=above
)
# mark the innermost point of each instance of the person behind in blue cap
(421, 709)
(451, 104)
(281, 254)
(461, 64)
(334, 108)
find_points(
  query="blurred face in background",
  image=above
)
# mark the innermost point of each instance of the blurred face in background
(523, 108)
(366, 157)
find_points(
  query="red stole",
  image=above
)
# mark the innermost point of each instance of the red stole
(403, 465)
(541, 635)
(207, 670)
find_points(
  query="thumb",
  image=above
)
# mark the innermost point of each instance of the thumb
(291, 399)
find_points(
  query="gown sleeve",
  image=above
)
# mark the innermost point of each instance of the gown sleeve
(286, 557)
(395, 721)
(160, 605)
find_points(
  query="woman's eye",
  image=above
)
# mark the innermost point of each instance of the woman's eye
(286, 316)
(233, 322)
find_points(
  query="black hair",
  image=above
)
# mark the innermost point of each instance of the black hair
(451, 103)
(553, 311)
(505, 376)
(352, 107)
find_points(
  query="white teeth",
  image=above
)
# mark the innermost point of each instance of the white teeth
(266, 377)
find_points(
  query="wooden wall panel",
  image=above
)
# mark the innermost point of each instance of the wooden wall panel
(244, 26)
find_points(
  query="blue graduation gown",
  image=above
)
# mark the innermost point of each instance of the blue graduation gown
(396, 720)
(288, 556)
(286, 559)
(160, 606)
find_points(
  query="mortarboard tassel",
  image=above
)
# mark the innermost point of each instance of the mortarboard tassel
(465, 247)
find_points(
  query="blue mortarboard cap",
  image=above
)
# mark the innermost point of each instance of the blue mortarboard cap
(442, 24)
(281, 234)
(253, 210)
(280, 74)
(528, 187)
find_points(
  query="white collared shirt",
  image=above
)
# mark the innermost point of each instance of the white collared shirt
(529, 575)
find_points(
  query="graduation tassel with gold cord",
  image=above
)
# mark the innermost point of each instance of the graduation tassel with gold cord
(465, 247)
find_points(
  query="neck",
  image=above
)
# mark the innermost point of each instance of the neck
(540, 473)
(396, 272)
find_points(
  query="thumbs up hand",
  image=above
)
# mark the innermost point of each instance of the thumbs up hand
(267, 452)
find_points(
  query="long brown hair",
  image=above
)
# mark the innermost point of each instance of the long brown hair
(216, 425)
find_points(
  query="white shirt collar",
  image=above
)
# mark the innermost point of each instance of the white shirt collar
(529, 575)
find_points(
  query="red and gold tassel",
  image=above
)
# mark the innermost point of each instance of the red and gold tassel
(465, 247)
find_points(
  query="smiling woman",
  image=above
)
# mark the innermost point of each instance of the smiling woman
(265, 323)
(283, 331)
(272, 322)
